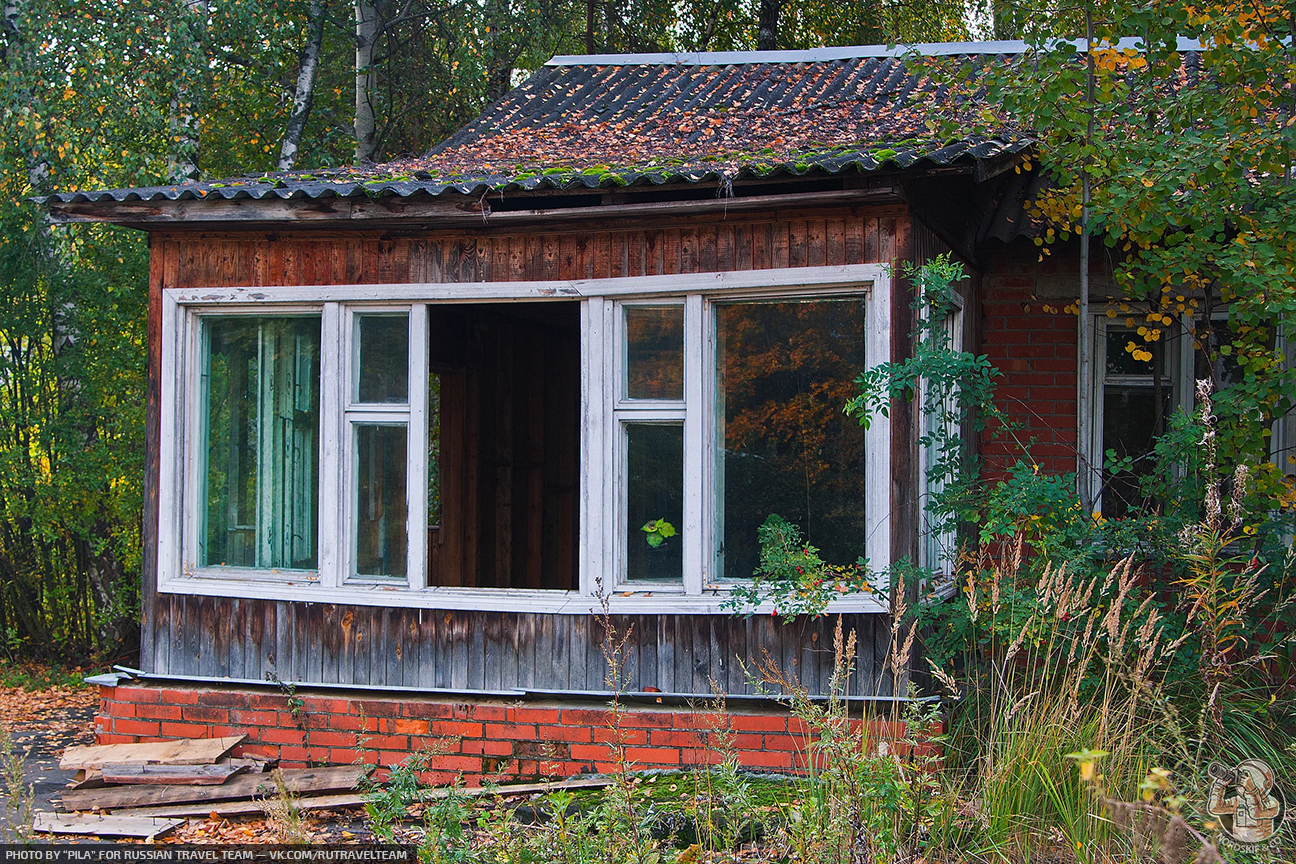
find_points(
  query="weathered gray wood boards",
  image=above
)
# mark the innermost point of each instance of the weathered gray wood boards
(497, 651)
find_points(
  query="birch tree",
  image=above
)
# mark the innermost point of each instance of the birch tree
(304, 91)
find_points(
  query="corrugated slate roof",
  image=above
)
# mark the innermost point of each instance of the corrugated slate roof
(589, 122)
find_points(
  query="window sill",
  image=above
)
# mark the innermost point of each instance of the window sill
(483, 599)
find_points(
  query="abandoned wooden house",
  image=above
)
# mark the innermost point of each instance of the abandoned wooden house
(410, 424)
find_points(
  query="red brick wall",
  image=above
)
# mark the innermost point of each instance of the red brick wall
(1028, 331)
(481, 738)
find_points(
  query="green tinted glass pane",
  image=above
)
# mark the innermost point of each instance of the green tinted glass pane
(654, 501)
(655, 352)
(784, 371)
(381, 512)
(383, 372)
(260, 453)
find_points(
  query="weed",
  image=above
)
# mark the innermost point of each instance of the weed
(283, 813)
(20, 797)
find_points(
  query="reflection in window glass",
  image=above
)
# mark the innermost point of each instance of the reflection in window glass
(261, 413)
(654, 502)
(381, 512)
(382, 374)
(784, 371)
(655, 352)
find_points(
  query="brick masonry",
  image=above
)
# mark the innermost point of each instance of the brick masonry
(478, 739)
(1028, 331)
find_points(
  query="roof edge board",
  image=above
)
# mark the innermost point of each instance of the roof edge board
(823, 55)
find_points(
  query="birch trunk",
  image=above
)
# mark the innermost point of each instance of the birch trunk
(188, 24)
(304, 93)
(366, 78)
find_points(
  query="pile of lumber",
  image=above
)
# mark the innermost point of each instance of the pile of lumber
(145, 790)
(130, 787)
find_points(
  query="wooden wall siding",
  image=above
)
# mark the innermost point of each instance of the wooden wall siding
(812, 239)
(494, 651)
(220, 637)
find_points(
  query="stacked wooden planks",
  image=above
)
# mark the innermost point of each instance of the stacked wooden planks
(140, 790)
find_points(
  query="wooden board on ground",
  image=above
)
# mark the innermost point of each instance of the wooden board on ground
(344, 801)
(254, 764)
(136, 773)
(182, 751)
(100, 825)
(299, 781)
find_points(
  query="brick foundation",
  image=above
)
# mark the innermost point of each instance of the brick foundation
(494, 739)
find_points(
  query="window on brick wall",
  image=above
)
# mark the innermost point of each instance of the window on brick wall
(1137, 386)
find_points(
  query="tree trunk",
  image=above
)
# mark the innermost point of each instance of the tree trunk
(499, 70)
(188, 23)
(767, 25)
(304, 93)
(366, 79)
(18, 61)
(589, 27)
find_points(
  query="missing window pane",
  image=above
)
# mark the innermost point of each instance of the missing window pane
(261, 471)
(654, 352)
(654, 502)
(784, 371)
(381, 517)
(382, 375)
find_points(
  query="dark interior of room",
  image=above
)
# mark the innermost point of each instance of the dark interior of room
(507, 446)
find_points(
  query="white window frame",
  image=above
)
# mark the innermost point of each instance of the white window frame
(941, 561)
(180, 463)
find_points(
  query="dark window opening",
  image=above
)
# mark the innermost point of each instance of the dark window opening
(504, 441)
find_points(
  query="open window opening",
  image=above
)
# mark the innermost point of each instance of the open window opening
(503, 445)
(1138, 385)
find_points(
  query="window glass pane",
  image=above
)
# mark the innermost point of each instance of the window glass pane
(1131, 424)
(381, 522)
(382, 374)
(784, 371)
(654, 352)
(1120, 361)
(261, 472)
(654, 502)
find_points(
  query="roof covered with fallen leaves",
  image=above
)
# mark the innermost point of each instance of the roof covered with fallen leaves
(620, 120)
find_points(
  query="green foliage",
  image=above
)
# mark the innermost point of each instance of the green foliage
(20, 796)
(792, 576)
(657, 532)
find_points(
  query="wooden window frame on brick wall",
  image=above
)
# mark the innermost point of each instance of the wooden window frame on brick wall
(1179, 364)
(601, 299)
